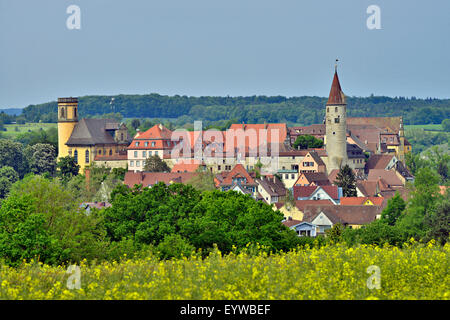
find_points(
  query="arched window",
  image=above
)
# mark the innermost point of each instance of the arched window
(87, 156)
(62, 113)
(75, 155)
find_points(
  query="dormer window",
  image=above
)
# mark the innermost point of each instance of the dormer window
(136, 143)
(146, 143)
(153, 144)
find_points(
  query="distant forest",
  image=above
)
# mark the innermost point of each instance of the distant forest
(254, 109)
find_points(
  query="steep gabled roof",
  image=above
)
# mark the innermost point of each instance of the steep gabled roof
(378, 161)
(388, 176)
(357, 215)
(336, 96)
(359, 201)
(158, 131)
(151, 178)
(237, 171)
(319, 178)
(272, 185)
(302, 204)
(91, 132)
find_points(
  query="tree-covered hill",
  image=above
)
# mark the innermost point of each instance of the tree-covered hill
(253, 109)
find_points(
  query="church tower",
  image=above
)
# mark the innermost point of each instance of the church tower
(336, 126)
(67, 120)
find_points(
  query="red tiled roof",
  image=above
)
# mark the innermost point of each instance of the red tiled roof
(303, 191)
(378, 161)
(332, 191)
(289, 223)
(319, 178)
(336, 95)
(358, 201)
(151, 178)
(301, 204)
(190, 165)
(238, 170)
(389, 177)
(357, 215)
(158, 131)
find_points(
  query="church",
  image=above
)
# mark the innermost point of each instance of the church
(103, 141)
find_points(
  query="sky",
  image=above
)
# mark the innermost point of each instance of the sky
(219, 48)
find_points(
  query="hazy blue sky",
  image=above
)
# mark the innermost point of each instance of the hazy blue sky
(227, 47)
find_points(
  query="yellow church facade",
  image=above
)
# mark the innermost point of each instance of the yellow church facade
(90, 140)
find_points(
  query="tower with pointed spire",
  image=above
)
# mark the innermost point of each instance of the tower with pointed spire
(336, 126)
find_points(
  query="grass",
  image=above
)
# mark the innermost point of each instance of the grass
(12, 132)
(330, 272)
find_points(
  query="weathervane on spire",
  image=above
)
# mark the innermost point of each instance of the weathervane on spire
(335, 65)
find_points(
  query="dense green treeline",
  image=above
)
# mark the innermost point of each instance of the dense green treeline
(253, 109)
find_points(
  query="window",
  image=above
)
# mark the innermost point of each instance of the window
(144, 154)
(75, 155)
(328, 109)
(110, 152)
(62, 115)
(136, 143)
(156, 153)
(87, 156)
(75, 112)
(150, 153)
(121, 136)
(146, 143)
(138, 163)
(335, 109)
(135, 154)
(100, 151)
(292, 176)
(168, 143)
(70, 152)
(336, 120)
(153, 144)
(131, 163)
(219, 168)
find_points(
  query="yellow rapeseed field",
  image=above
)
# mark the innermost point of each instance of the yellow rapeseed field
(329, 272)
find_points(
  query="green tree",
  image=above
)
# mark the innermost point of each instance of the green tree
(201, 219)
(135, 123)
(394, 209)
(347, 181)
(203, 181)
(307, 142)
(11, 154)
(446, 125)
(423, 198)
(438, 221)
(23, 233)
(155, 164)
(42, 158)
(74, 234)
(7, 177)
(67, 167)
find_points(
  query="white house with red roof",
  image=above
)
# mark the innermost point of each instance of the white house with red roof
(156, 141)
